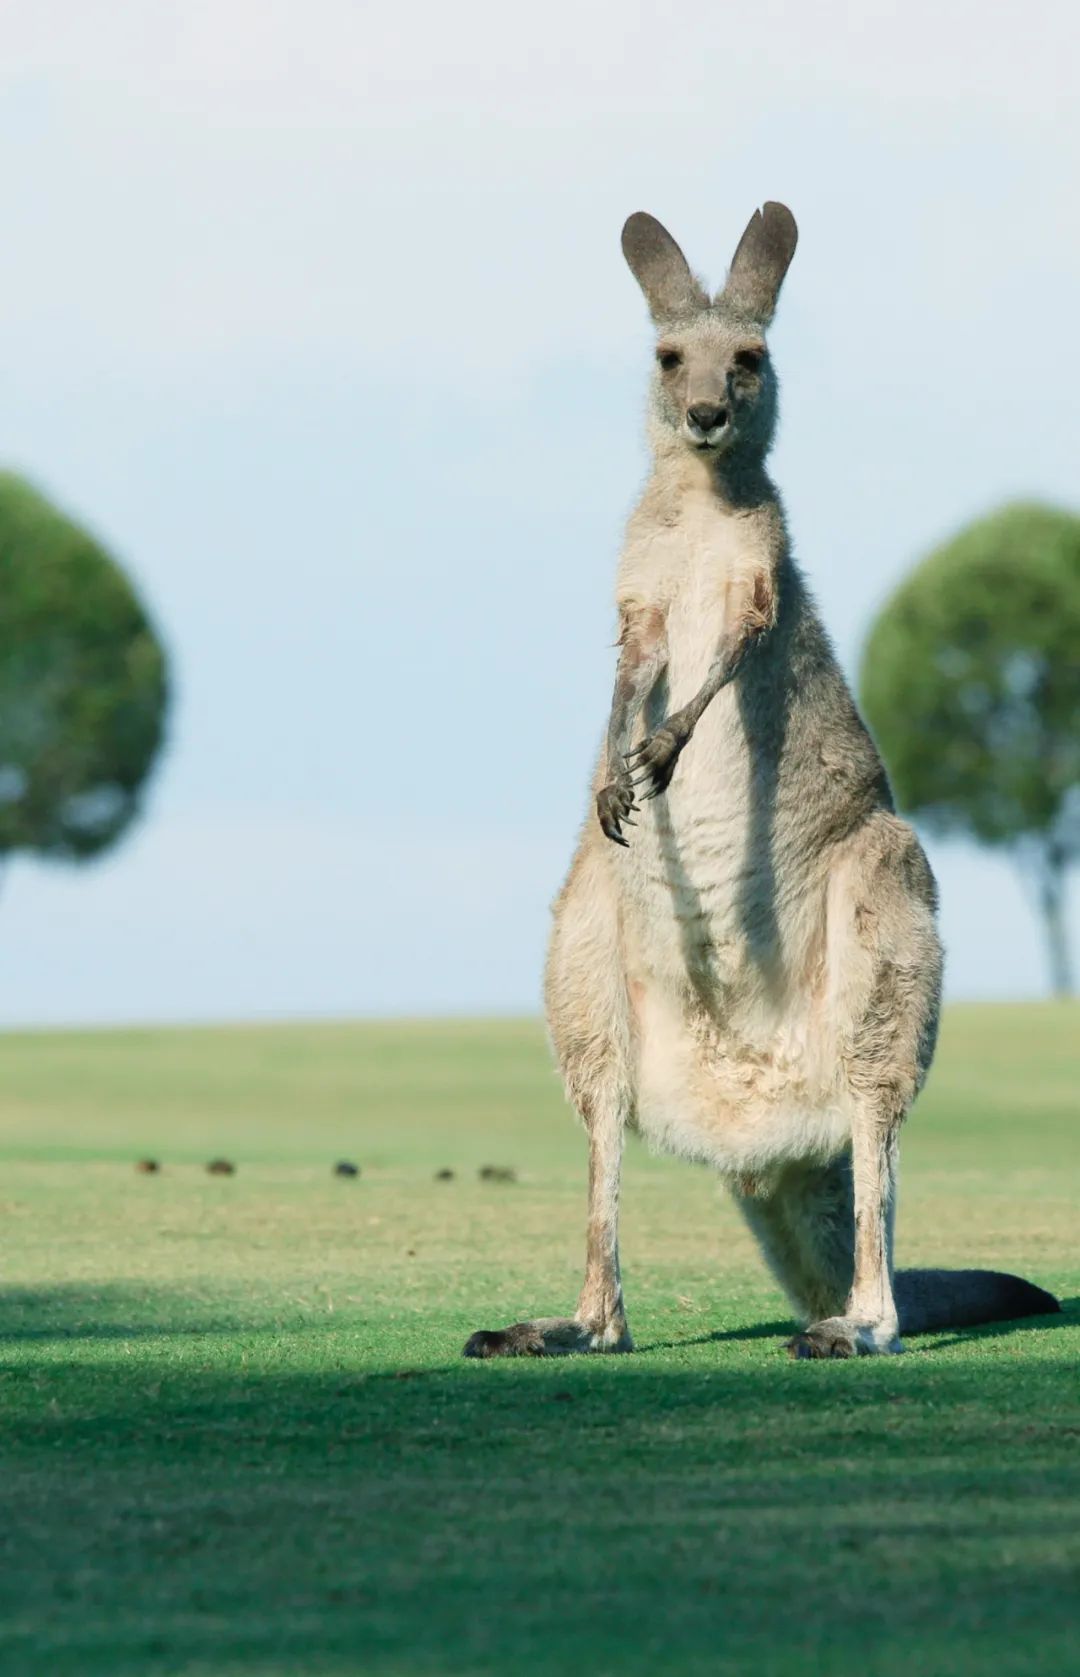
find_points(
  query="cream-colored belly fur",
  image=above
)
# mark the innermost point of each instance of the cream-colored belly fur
(726, 980)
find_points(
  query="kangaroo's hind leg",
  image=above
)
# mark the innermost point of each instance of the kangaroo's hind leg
(834, 1267)
(827, 1229)
(588, 1016)
(883, 998)
(805, 1226)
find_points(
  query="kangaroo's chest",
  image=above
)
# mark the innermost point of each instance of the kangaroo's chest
(699, 612)
(697, 865)
(688, 567)
(697, 871)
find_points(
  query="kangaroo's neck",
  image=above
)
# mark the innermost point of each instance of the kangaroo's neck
(734, 483)
(701, 519)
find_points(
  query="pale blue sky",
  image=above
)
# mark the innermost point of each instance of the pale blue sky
(316, 313)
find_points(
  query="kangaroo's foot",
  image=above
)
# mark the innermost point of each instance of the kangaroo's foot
(550, 1336)
(845, 1336)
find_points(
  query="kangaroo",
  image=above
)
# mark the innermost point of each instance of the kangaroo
(744, 965)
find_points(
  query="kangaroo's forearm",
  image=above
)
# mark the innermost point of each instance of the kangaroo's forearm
(725, 666)
(642, 656)
(630, 693)
(754, 615)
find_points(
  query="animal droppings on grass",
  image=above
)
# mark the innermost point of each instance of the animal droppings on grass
(221, 1167)
(147, 1167)
(292, 1449)
(444, 1175)
(345, 1167)
(497, 1173)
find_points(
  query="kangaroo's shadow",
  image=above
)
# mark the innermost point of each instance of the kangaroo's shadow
(1069, 1316)
(759, 1330)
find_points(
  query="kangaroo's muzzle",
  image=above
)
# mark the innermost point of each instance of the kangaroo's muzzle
(705, 424)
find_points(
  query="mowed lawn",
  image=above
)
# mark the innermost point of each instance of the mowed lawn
(237, 1435)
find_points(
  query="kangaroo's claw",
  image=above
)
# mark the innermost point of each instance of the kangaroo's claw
(656, 760)
(613, 806)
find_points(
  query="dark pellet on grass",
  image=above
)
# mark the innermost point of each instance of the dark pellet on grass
(497, 1173)
(147, 1167)
(221, 1167)
(345, 1167)
(444, 1175)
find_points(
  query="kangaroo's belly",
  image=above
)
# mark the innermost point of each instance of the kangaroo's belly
(711, 900)
(723, 894)
(746, 1095)
(725, 937)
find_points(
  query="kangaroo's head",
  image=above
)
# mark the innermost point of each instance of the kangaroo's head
(714, 390)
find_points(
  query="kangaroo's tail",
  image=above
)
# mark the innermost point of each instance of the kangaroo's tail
(928, 1299)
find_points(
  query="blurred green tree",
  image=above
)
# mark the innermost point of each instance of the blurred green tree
(971, 683)
(83, 689)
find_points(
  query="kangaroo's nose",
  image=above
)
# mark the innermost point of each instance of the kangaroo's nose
(705, 417)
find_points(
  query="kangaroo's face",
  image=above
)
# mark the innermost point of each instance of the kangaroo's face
(714, 386)
(714, 389)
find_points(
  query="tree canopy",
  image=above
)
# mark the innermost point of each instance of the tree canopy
(971, 683)
(83, 686)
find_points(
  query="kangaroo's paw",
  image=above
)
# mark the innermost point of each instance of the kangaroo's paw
(653, 761)
(551, 1336)
(844, 1336)
(614, 806)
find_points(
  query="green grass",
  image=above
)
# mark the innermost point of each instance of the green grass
(236, 1435)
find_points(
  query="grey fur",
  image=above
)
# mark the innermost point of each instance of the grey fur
(660, 269)
(744, 963)
(761, 260)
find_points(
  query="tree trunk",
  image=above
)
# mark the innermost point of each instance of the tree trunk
(1052, 907)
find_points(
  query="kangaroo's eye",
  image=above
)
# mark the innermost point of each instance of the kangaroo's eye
(669, 359)
(750, 358)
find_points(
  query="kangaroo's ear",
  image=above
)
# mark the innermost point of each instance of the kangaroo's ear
(660, 268)
(760, 262)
